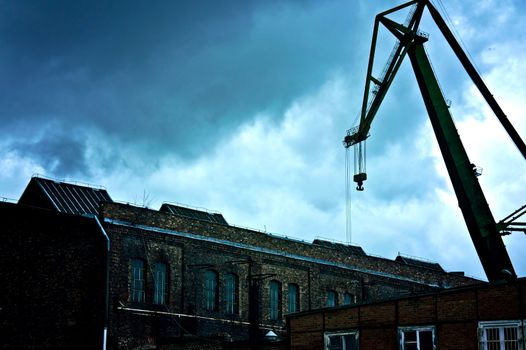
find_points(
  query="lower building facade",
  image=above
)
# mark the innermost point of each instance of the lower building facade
(484, 317)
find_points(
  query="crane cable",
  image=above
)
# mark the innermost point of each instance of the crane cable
(456, 33)
(348, 182)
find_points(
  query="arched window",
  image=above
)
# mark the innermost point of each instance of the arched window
(211, 292)
(293, 298)
(348, 299)
(137, 282)
(275, 300)
(160, 278)
(231, 294)
(332, 298)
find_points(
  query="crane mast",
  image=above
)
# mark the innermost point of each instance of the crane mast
(485, 232)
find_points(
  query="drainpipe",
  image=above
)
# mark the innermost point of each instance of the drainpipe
(107, 283)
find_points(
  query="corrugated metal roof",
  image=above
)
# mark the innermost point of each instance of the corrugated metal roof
(193, 213)
(67, 197)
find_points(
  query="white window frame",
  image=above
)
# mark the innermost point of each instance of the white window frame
(483, 326)
(417, 329)
(328, 335)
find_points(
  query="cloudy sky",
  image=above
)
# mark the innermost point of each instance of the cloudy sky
(241, 107)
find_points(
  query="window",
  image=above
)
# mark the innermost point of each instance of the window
(293, 298)
(417, 338)
(137, 285)
(231, 294)
(501, 335)
(341, 341)
(160, 293)
(348, 299)
(332, 298)
(211, 294)
(275, 300)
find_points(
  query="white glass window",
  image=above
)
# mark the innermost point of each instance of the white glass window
(347, 340)
(501, 335)
(417, 338)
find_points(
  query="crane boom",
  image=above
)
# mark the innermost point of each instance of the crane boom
(484, 231)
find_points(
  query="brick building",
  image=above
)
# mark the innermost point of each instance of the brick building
(485, 317)
(180, 277)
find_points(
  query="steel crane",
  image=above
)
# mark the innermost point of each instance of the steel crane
(485, 232)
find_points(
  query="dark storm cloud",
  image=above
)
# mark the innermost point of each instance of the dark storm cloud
(57, 151)
(174, 76)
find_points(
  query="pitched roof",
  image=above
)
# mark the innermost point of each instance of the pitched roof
(63, 197)
(421, 263)
(345, 248)
(193, 213)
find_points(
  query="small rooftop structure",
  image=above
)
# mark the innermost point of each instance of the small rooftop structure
(419, 262)
(71, 198)
(193, 213)
(344, 248)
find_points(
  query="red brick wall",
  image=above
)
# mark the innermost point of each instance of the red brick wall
(454, 313)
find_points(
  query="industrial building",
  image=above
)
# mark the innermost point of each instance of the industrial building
(86, 271)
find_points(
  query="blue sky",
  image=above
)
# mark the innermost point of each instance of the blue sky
(241, 107)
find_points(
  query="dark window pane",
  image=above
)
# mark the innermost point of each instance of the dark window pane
(336, 342)
(426, 340)
(350, 342)
(231, 294)
(293, 298)
(137, 283)
(332, 298)
(410, 336)
(160, 295)
(211, 290)
(275, 300)
(348, 299)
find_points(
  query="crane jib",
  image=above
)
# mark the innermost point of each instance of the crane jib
(484, 231)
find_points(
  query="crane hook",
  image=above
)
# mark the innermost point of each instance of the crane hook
(359, 179)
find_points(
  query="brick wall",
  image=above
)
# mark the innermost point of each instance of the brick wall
(156, 236)
(53, 280)
(142, 216)
(454, 314)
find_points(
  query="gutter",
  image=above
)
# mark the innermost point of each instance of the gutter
(106, 282)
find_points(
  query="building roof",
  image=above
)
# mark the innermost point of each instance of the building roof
(193, 213)
(64, 197)
(421, 263)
